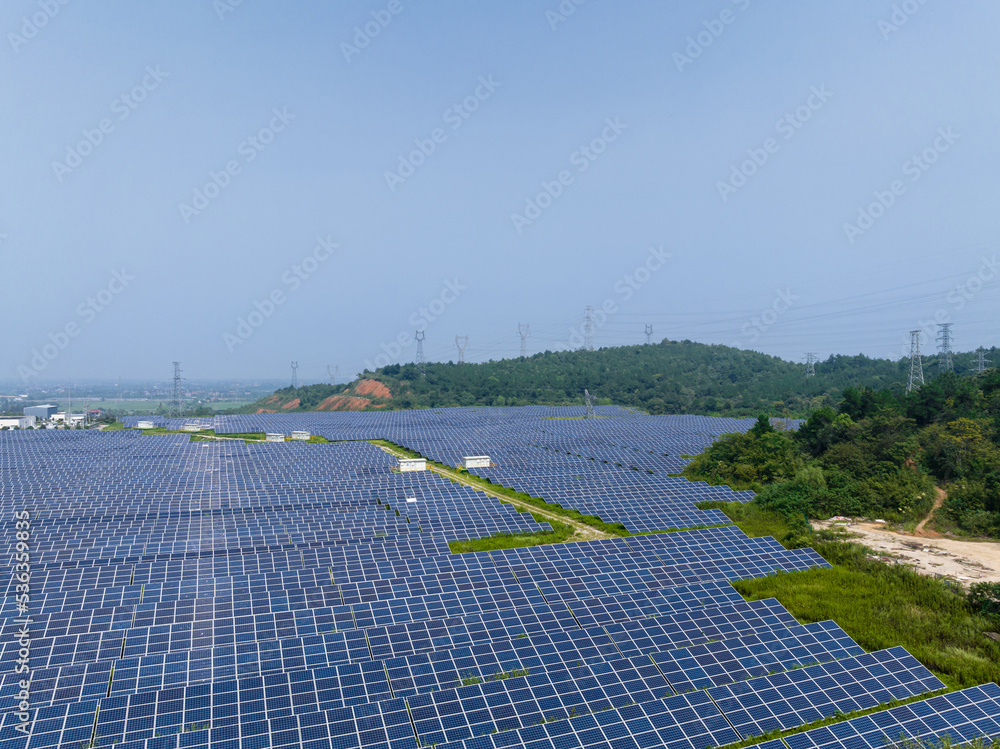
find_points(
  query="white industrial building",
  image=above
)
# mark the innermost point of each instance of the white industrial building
(300, 435)
(17, 422)
(274, 437)
(412, 464)
(70, 419)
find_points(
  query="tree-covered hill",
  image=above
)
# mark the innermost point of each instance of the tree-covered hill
(665, 378)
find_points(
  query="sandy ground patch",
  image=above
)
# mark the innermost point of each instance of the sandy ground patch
(965, 561)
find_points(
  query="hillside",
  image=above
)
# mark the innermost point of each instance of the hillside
(671, 377)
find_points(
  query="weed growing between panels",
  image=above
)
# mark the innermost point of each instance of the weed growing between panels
(560, 533)
(879, 605)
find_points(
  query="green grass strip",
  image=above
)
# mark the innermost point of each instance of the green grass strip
(879, 605)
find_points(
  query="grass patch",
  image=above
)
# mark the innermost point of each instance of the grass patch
(879, 605)
(614, 529)
(203, 435)
(560, 532)
(116, 426)
(752, 519)
(837, 717)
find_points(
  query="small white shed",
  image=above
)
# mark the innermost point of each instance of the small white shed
(301, 435)
(475, 461)
(274, 437)
(412, 464)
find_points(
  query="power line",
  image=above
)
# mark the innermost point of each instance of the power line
(333, 372)
(649, 334)
(944, 346)
(588, 328)
(524, 330)
(419, 337)
(295, 374)
(811, 364)
(175, 404)
(981, 360)
(916, 362)
(589, 400)
(461, 342)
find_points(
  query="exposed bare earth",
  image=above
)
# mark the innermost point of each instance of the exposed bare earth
(964, 561)
(940, 496)
(344, 403)
(373, 387)
(292, 404)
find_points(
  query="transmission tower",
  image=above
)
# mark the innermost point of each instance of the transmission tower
(461, 342)
(811, 365)
(649, 334)
(295, 374)
(333, 372)
(175, 404)
(981, 360)
(419, 337)
(589, 400)
(524, 330)
(588, 328)
(944, 346)
(916, 362)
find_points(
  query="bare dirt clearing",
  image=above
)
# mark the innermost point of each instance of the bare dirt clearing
(965, 561)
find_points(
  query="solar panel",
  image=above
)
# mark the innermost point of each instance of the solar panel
(220, 593)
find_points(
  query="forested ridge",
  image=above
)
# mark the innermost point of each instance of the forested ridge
(671, 377)
(879, 455)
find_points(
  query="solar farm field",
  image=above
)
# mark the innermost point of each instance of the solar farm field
(251, 595)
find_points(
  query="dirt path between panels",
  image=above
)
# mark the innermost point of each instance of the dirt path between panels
(964, 561)
(581, 531)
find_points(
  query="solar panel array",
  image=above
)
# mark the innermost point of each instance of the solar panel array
(218, 593)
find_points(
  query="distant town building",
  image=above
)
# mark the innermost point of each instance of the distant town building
(69, 419)
(17, 422)
(40, 412)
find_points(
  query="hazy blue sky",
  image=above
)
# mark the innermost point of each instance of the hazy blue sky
(787, 177)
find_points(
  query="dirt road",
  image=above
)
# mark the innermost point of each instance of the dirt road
(581, 531)
(964, 561)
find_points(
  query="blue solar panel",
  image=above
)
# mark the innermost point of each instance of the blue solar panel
(219, 593)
